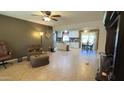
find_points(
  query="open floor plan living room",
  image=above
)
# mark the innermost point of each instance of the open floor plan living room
(61, 45)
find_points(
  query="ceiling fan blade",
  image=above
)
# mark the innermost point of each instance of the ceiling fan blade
(46, 12)
(55, 15)
(36, 15)
(54, 19)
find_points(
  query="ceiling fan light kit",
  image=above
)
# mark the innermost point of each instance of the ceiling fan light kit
(47, 19)
(47, 16)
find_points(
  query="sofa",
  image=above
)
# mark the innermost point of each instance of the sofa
(34, 50)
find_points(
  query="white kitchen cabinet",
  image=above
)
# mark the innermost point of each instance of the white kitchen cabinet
(74, 34)
(59, 34)
(61, 46)
(74, 44)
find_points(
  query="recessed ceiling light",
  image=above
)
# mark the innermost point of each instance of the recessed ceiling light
(85, 31)
(65, 31)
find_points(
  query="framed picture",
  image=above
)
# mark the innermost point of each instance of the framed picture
(47, 34)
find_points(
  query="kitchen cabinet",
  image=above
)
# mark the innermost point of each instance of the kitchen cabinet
(74, 44)
(74, 34)
(59, 34)
(61, 46)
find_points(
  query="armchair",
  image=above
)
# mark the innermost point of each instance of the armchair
(5, 54)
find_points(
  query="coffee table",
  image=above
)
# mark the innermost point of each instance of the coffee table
(39, 60)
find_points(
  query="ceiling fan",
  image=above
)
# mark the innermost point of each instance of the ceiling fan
(47, 16)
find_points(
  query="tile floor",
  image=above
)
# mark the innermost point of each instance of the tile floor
(74, 65)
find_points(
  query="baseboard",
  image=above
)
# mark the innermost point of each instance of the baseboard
(16, 60)
(12, 60)
(24, 58)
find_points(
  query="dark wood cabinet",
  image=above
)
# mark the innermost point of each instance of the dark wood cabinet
(110, 41)
(114, 24)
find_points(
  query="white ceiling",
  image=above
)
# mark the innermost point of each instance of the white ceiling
(68, 17)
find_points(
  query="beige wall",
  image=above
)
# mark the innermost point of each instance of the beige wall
(20, 34)
(102, 38)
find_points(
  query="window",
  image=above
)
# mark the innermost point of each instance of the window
(88, 38)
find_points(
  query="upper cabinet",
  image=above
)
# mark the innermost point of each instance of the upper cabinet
(74, 34)
(59, 34)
